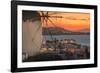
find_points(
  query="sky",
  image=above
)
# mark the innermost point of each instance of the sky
(73, 21)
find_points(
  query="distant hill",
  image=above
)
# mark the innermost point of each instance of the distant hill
(84, 30)
(59, 31)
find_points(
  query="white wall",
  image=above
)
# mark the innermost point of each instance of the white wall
(5, 37)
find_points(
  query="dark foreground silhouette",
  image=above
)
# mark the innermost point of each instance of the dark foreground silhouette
(54, 57)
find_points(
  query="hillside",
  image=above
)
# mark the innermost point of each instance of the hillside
(59, 31)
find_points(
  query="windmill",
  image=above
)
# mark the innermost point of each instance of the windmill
(32, 31)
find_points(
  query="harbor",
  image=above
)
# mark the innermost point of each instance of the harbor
(66, 49)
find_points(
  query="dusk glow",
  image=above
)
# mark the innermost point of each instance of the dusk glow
(68, 20)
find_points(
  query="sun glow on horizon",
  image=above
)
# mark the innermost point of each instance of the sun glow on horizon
(68, 20)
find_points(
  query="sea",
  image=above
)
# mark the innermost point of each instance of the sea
(82, 39)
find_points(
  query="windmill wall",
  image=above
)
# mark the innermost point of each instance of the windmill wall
(31, 33)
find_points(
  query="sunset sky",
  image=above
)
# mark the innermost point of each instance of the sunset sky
(69, 20)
